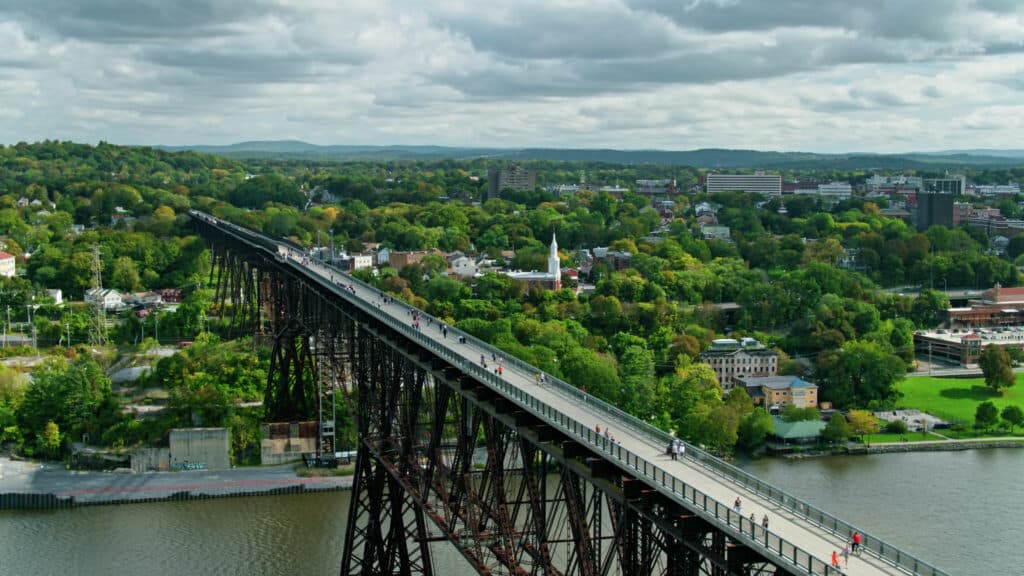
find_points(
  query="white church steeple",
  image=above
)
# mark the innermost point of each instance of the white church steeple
(554, 265)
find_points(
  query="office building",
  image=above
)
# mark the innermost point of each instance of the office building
(759, 183)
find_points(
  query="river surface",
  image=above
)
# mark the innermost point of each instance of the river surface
(962, 511)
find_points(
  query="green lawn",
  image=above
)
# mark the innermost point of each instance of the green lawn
(955, 399)
(883, 437)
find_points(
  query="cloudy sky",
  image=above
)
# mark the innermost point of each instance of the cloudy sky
(813, 75)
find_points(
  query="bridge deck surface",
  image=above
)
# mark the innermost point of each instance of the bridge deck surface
(785, 524)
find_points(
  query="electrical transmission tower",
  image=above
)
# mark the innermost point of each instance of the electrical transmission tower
(98, 328)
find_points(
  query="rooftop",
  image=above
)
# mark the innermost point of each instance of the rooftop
(1001, 335)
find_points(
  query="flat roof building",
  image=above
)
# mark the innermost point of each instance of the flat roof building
(759, 183)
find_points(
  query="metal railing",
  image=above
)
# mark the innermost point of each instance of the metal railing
(739, 527)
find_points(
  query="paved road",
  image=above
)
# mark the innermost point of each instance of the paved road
(782, 523)
(32, 477)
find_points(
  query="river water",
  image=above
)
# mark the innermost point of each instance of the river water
(961, 511)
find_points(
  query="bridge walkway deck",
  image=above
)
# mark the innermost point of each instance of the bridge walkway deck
(783, 523)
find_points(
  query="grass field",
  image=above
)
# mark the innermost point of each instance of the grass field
(956, 399)
(883, 437)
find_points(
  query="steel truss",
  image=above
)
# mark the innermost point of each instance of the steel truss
(442, 457)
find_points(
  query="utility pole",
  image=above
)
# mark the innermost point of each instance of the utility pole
(98, 330)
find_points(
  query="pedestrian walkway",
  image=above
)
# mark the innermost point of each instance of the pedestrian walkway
(792, 528)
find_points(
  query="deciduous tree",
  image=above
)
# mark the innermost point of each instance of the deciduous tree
(1013, 415)
(997, 366)
(862, 422)
(986, 415)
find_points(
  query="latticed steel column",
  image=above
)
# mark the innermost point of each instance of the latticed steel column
(387, 531)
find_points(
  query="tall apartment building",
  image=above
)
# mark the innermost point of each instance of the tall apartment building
(759, 183)
(513, 177)
(933, 210)
(732, 359)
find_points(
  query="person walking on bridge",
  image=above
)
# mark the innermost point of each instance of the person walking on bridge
(737, 504)
(856, 542)
(846, 555)
(835, 559)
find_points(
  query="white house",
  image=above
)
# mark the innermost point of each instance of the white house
(110, 299)
(464, 267)
(57, 295)
(7, 265)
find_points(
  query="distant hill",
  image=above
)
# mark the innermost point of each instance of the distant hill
(980, 152)
(298, 150)
(704, 158)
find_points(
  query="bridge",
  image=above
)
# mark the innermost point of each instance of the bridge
(505, 466)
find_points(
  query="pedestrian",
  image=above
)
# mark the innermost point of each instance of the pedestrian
(444, 331)
(499, 369)
(671, 450)
(607, 434)
(856, 541)
(682, 450)
(597, 428)
(482, 361)
(846, 555)
(737, 504)
(835, 559)
(764, 521)
(536, 378)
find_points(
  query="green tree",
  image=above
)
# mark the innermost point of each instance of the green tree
(929, 306)
(986, 415)
(837, 429)
(858, 373)
(1013, 415)
(792, 413)
(997, 366)
(754, 428)
(125, 275)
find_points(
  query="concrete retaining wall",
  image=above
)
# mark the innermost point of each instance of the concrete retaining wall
(200, 449)
(935, 446)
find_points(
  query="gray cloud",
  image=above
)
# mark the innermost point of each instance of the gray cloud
(612, 73)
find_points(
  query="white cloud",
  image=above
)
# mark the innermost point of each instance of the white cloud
(811, 75)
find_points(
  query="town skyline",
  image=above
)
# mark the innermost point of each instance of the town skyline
(825, 77)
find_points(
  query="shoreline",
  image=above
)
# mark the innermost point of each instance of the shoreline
(28, 485)
(904, 447)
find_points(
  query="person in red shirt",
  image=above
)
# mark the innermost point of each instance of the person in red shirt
(835, 559)
(856, 542)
